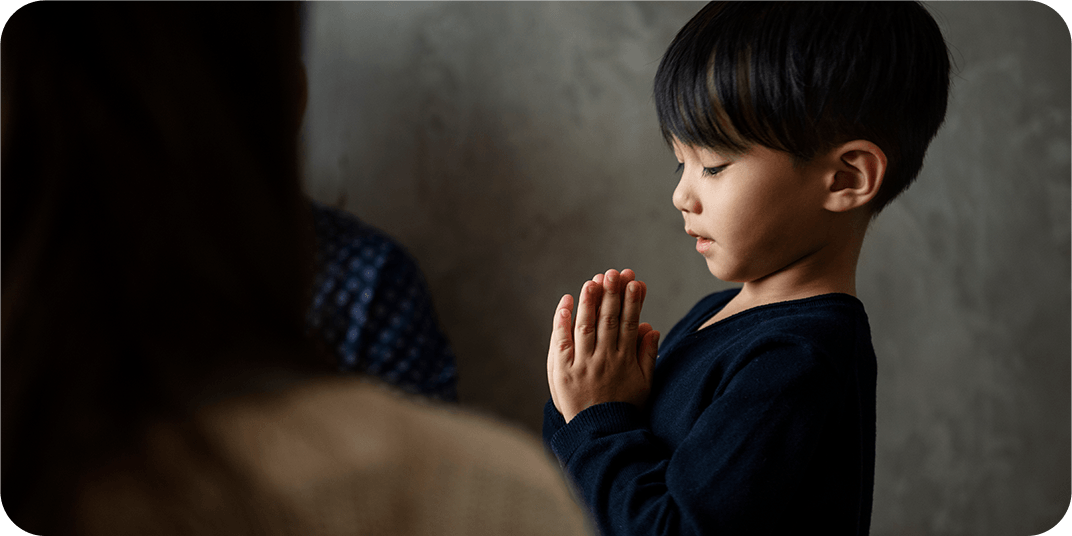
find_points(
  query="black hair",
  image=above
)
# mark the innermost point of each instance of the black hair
(803, 77)
(154, 229)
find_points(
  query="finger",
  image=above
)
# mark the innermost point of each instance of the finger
(598, 279)
(609, 311)
(629, 275)
(584, 328)
(561, 346)
(561, 336)
(624, 278)
(648, 353)
(630, 323)
(642, 331)
(565, 302)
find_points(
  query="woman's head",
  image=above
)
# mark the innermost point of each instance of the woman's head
(153, 221)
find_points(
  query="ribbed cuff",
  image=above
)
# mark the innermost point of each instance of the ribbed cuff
(552, 421)
(593, 423)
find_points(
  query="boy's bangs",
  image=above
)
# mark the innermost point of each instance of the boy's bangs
(702, 87)
(712, 90)
(689, 101)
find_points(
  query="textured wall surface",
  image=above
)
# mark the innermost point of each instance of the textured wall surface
(513, 149)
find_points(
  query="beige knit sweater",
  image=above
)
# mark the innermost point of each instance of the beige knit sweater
(335, 456)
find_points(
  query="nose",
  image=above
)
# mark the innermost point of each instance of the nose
(684, 198)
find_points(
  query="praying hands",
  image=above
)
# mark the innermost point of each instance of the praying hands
(606, 355)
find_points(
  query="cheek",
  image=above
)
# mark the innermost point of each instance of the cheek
(740, 214)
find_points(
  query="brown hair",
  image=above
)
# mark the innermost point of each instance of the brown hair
(154, 232)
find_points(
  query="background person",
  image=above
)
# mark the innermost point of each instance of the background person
(157, 259)
(372, 308)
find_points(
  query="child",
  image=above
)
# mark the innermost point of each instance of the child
(794, 123)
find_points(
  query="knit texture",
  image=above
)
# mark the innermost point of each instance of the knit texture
(762, 423)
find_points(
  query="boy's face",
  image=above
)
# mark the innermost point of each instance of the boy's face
(754, 215)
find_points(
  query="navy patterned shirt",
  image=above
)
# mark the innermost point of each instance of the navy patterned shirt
(372, 307)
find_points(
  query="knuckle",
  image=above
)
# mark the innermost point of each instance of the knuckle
(586, 329)
(611, 322)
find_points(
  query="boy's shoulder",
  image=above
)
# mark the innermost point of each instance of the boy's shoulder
(829, 325)
(828, 322)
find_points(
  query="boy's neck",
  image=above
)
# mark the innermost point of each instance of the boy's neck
(831, 269)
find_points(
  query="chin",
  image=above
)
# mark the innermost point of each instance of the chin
(729, 274)
(721, 272)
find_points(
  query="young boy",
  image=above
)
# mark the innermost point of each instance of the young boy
(794, 123)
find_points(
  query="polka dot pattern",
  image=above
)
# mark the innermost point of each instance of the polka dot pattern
(371, 305)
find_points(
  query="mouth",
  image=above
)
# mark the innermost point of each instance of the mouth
(702, 243)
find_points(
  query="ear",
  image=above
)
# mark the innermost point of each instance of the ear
(857, 173)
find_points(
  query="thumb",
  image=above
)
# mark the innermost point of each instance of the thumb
(649, 350)
(561, 347)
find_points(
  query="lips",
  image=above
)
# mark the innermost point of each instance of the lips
(694, 234)
(702, 242)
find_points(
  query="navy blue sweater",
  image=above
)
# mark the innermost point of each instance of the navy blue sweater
(762, 423)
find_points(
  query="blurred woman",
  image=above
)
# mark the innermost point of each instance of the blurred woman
(157, 256)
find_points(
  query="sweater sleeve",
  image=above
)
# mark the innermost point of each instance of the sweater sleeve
(552, 421)
(731, 474)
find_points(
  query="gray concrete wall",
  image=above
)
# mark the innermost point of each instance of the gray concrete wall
(513, 149)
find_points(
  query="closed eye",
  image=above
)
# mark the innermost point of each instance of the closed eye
(711, 171)
(708, 171)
